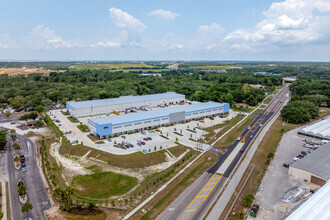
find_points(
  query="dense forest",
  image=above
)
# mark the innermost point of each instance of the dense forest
(36, 89)
(310, 91)
(307, 95)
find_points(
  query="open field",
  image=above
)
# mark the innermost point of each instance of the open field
(135, 160)
(260, 164)
(111, 66)
(216, 67)
(232, 135)
(173, 190)
(21, 71)
(102, 185)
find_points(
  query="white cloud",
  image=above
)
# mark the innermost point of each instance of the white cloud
(124, 20)
(6, 42)
(44, 37)
(117, 42)
(290, 22)
(161, 13)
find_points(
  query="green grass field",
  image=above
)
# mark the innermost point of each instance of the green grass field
(177, 150)
(102, 185)
(215, 67)
(109, 66)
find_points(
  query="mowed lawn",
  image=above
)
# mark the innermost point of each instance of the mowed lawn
(109, 66)
(102, 185)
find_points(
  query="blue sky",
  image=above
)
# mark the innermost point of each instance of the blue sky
(292, 30)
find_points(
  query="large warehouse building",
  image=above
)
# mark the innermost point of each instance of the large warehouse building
(105, 106)
(314, 168)
(315, 208)
(319, 130)
(109, 126)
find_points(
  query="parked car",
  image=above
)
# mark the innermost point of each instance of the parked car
(23, 169)
(286, 165)
(143, 143)
(109, 139)
(139, 144)
(211, 118)
(242, 150)
(249, 127)
(123, 137)
(238, 139)
(303, 152)
(22, 158)
(144, 133)
(23, 164)
(149, 138)
(251, 136)
(145, 139)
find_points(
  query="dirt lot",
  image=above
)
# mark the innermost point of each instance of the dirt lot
(23, 71)
(276, 180)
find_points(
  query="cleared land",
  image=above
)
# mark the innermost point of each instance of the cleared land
(233, 134)
(21, 71)
(102, 185)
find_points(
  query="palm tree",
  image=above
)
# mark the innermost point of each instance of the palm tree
(17, 159)
(26, 207)
(21, 190)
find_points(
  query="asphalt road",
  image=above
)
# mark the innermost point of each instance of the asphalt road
(35, 189)
(197, 199)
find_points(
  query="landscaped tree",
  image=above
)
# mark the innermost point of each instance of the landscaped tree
(26, 207)
(91, 206)
(17, 159)
(21, 190)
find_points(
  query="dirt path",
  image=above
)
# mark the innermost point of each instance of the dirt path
(70, 167)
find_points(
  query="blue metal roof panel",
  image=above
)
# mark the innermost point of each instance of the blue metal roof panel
(159, 113)
(123, 99)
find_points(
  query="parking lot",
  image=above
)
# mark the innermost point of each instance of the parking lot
(185, 137)
(277, 181)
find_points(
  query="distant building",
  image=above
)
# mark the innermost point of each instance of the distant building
(314, 168)
(106, 106)
(319, 130)
(121, 124)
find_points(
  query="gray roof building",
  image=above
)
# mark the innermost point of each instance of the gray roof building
(319, 130)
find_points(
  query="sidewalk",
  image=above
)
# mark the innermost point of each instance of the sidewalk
(229, 190)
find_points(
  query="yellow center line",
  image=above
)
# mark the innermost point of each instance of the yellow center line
(214, 184)
(190, 210)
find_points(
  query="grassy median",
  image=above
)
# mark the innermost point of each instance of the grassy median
(229, 138)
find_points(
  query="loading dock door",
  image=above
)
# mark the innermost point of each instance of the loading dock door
(318, 181)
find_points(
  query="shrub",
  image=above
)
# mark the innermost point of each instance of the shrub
(248, 200)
